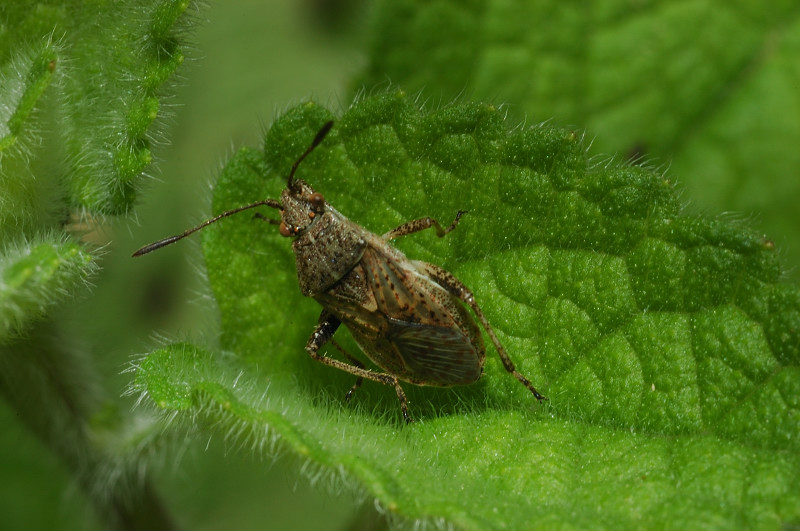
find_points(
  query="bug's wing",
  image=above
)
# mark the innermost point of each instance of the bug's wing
(404, 293)
(405, 322)
(437, 355)
(428, 330)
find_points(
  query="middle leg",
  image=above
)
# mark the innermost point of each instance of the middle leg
(326, 327)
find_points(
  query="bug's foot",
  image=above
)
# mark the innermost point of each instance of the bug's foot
(352, 390)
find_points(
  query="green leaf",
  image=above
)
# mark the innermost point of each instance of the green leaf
(79, 89)
(106, 64)
(81, 85)
(36, 276)
(666, 343)
(708, 88)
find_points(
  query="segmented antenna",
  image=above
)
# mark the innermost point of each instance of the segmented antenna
(272, 203)
(321, 134)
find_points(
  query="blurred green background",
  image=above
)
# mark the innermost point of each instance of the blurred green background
(249, 61)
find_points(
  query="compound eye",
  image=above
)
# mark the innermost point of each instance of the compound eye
(285, 230)
(317, 201)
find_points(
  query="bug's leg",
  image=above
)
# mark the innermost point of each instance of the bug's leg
(355, 362)
(326, 327)
(457, 288)
(417, 225)
(262, 217)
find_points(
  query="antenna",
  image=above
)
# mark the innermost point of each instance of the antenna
(321, 134)
(172, 239)
(272, 203)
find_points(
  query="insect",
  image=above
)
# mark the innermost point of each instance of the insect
(409, 317)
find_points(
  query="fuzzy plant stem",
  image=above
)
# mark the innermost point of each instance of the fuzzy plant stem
(50, 390)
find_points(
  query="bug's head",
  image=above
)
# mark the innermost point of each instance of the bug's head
(301, 207)
(301, 204)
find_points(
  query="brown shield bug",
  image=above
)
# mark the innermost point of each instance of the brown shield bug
(409, 317)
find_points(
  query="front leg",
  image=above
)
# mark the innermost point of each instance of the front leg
(326, 327)
(410, 227)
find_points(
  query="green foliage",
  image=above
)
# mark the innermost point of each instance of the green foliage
(666, 342)
(709, 88)
(80, 89)
(36, 276)
(79, 94)
(109, 64)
